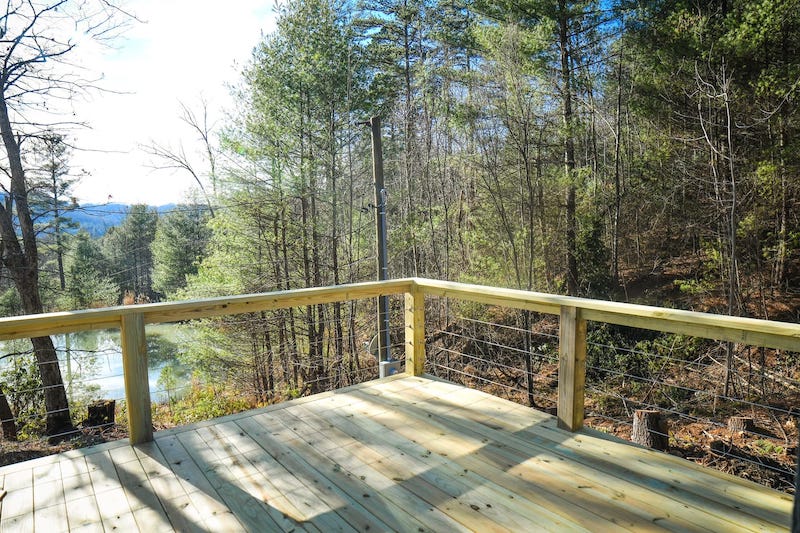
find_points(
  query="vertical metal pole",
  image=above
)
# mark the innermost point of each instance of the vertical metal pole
(380, 228)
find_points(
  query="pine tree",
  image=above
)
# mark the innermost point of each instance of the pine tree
(179, 246)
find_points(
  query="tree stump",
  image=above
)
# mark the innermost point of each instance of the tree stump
(650, 429)
(101, 413)
(739, 424)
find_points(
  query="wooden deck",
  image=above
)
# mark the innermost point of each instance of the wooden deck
(403, 454)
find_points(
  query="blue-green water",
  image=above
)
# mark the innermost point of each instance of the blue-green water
(91, 361)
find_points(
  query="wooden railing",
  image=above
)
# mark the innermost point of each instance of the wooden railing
(573, 313)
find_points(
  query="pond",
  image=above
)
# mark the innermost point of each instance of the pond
(91, 361)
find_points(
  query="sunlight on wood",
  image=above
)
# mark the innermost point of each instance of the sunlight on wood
(404, 453)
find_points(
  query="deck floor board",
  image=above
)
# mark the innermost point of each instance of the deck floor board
(549, 468)
(403, 454)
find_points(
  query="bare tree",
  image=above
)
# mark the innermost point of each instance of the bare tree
(37, 42)
(713, 96)
(176, 159)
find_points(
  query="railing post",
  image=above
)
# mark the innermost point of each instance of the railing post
(415, 331)
(571, 368)
(137, 386)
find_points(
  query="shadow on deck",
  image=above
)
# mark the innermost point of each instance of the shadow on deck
(403, 454)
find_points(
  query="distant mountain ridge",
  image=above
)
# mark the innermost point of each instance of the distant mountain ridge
(97, 219)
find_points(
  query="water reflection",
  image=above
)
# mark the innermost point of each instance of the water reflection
(91, 362)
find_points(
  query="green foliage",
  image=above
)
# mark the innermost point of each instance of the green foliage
(202, 402)
(594, 259)
(89, 283)
(694, 287)
(609, 356)
(23, 387)
(10, 304)
(208, 351)
(127, 249)
(728, 70)
(624, 363)
(178, 247)
(767, 447)
(236, 252)
(50, 199)
(670, 346)
(168, 381)
(708, 275)
(472, 98)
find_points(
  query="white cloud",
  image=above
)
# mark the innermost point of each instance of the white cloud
(182, 50)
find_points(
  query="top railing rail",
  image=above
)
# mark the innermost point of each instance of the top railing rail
(767, 333)
(757, 332)
(21, 327)
(573, 313)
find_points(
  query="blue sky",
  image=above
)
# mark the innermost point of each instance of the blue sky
(183, 49)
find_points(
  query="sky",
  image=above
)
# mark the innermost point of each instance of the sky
(182, 51)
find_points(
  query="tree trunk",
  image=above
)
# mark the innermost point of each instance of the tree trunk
(617, 171)
(291, 337)
(733, 226)
(409, 143)
(22, 261)
(59, 422)
(7, 421)
(650, 429)
(62, 280)
(269, 349)
(283, 343)
(337, 306)
(779, 274)
(569, 149)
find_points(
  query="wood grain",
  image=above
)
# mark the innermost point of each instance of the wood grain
(768, 333)
(406, 453)
(137, 386)
(571, 368)
(415, 332)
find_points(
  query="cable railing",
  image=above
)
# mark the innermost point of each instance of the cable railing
(24, 392)
(498, 356)
(588, 362)
(721, 405)
(282, 371)
(738, 417)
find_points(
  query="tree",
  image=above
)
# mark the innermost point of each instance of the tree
(725, 86)
(35, 49)
(179, 246)
(291, 194)
(512, 149)
(50, 185)
(176, 159)
(565, 30)
(302, 88)
(396, 32)
(128, 250)
(727, 97)
(88, 282)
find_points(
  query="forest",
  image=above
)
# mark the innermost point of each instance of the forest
(636, 151)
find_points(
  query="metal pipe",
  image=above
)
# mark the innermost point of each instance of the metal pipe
(384, 353)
